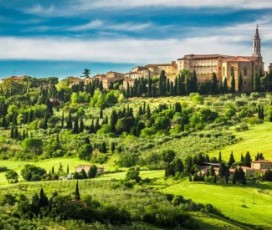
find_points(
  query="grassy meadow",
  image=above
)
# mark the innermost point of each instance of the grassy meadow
(255, 140)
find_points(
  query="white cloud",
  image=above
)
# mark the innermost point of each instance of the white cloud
(233, 4)
(104, 26)
(91, 25)
(41, 10)
(121, 50)
(75, 7)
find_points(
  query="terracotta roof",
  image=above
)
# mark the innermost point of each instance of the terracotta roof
(114, 72)
(152, 65)
(238, 59)
(262, 161)
(202, 56)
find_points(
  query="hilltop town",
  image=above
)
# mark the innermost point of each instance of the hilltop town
(225, 67)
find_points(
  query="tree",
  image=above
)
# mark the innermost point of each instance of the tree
(12, 176)
(219, 157)
(231, 160)
(32, 173)
(247, 160)
(85, 152)
(92, 171)
(77, 195)
(133, 174)
(225, 85)
(240, 83)
(232, 88)
(214, 83)
(168, 155)
(86, 73)
(257, 82)
(33, 145)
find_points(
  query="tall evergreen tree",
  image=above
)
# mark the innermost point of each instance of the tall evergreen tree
(257, 82)
(214, 82)
(77, 195)
(231, 160)
(225, 85)
(194, 87)
(240, 83)
(232, 83)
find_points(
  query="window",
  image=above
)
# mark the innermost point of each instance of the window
(245, 71)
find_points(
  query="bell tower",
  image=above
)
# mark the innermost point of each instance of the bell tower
(257, 44)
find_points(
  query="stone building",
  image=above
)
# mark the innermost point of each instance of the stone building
(246, 66)
(204, 65)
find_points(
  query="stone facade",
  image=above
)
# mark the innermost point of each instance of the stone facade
(204, 65)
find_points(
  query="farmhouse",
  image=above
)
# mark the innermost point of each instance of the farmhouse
(257, 167)
(78, 169)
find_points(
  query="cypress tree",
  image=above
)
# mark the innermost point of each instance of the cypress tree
(43, 201)
(69, 121)
(257, 82)
(240, 83)
(12, 132)
(76, 127)
(81, 126)
(231, 160)
(220, 157)
(83, 174)
(232, 83)
(194, 82)
(62, 120)
(101, 113)
(247, 160)
(225, 86)
(112, 147)
(77, 195)
(214, 83)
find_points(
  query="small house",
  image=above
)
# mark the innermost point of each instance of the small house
(78, 169)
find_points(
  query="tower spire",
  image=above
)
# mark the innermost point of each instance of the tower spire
(257, 43)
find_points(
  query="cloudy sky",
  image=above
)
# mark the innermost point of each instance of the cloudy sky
(62, 37)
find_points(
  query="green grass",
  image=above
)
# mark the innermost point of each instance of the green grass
(46, 164)
(256, 139)
(249, 204)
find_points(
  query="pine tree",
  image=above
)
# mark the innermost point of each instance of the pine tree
(77, 195)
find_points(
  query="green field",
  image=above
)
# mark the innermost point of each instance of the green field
(255, 140)
(249, 204)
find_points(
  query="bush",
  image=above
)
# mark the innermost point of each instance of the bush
(32, 173)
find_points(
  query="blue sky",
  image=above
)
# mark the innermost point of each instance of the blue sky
(61, 38)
